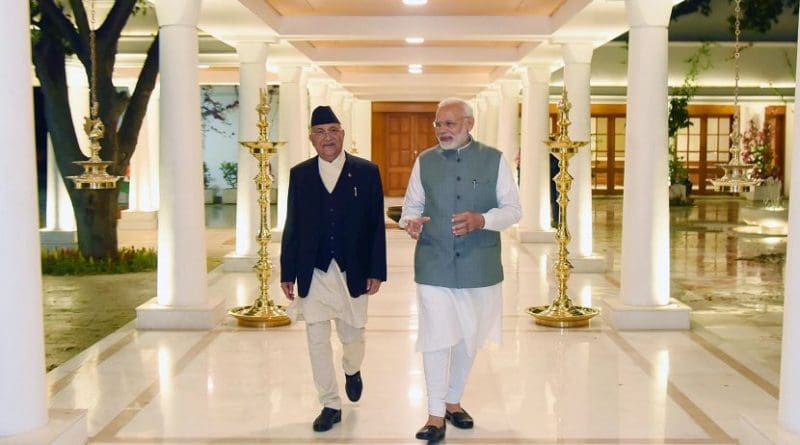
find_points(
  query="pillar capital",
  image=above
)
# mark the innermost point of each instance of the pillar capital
(252, 52)
(509, 88)
(537, 73)
(318, 88)
(177, 12)
(290, 73)
(648, 13)
(577, 52)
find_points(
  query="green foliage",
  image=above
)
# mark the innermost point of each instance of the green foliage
(72, 262)
(679, 108)
(206, 176)
(230, 173)
(757, 15)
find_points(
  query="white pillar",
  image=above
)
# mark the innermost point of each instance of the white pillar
(362, 127)
(508, 121)
(489, 116)
(789, 401)
(317, 96)
(22, 375)
(346, 119)
(182, 300)
(577, 76)
(142, 212)
(293, 131)
(143, 195)
(252, 77)
(479, 130)
(535, 157)
(644, 301)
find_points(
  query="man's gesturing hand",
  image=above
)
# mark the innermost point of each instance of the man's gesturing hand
(466, 222)
(414, 225)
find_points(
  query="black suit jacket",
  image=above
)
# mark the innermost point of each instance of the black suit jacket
(364, 231)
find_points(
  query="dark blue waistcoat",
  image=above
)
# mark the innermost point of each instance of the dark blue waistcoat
(332, 245)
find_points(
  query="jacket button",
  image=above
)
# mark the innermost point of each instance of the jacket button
(458, 178)
(458, 196)
(458, 254)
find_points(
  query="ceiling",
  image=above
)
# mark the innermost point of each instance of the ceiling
(469, 44)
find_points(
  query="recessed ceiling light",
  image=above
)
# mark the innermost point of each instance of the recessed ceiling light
(414, 2)
(415, 68)
(415, 40)
(203, 67)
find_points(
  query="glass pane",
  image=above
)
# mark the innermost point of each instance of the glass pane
(602, 125)
(724, 143)
(602, 142)
(619, 125)
(593, 126)
(695, 128)
(694, 142)
(694, 156)
(712, 125)
(711, 140)
(682, 141)
(724, 125)
(619, 144)
(711, 156)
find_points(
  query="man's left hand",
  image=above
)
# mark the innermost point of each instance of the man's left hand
(466, 222)
(373, 284)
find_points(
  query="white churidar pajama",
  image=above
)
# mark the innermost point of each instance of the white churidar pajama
(328, 299)
(454, 323)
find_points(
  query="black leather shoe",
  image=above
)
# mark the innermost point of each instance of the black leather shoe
(326, 419)
(431, 433)
(353, 386)
(459, 419)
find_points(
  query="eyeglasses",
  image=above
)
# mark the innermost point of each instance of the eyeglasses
(322, 132)
(447, 124)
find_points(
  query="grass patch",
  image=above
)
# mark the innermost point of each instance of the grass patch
(71, 262)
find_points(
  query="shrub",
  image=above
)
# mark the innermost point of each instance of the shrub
(71, 262)
(230, 173)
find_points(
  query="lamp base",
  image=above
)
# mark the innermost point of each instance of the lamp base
(570, 317)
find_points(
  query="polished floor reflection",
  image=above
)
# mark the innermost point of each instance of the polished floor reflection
(590, 385)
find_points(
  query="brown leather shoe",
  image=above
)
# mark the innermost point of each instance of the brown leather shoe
(459, 419)
(431, 433)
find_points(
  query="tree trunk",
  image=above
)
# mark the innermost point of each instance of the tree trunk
(96, 217)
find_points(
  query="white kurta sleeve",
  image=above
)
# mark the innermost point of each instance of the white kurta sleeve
(414, 202)
(508, 211)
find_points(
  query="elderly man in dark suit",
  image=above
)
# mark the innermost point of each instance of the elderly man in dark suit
(334, 246)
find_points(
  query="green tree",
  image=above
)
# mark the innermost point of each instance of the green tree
(757, 15)
(58, 32)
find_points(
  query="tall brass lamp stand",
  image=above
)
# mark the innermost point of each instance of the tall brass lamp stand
(561, 313)
(263, 312)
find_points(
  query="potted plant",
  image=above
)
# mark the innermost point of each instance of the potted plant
(230, 175)
(756, 150)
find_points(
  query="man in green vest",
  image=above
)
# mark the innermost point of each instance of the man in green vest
(461, 194)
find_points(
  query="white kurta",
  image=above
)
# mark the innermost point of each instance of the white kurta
(328, 297)
(446, 316)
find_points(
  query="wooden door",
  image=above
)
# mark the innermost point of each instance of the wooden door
(405, 136)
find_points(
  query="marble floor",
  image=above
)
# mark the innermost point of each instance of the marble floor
(592, 385)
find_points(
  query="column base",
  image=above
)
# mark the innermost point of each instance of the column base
(153, 316)
(58, 239)
(764, 432)
(593, 263)
(64, 427)
(138, 220)
(623, 317)
(238, 263)
(535, 236)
